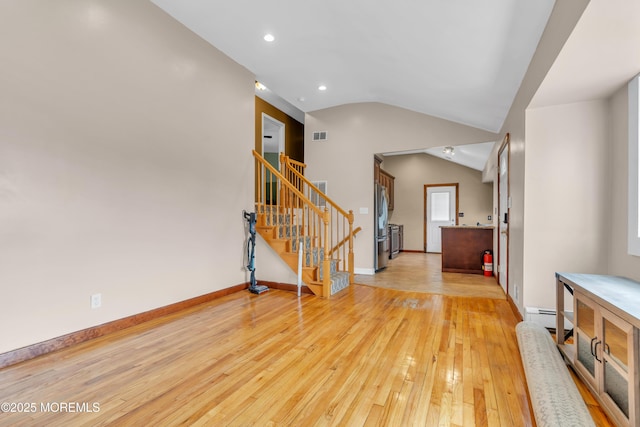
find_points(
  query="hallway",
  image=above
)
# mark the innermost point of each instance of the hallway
(421, 272)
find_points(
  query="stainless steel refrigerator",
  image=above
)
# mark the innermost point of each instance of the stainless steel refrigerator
(381, 208)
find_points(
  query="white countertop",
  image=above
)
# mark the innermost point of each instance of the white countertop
(475, 227)
(615, 293)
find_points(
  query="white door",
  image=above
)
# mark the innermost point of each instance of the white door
(441, 210)
(503, 216)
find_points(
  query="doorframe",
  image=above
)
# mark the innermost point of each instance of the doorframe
(506, 144)
(424, 208)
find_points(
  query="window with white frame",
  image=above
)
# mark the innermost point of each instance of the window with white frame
(634, 175)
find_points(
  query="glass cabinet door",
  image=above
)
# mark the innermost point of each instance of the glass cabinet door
(586, 335)
(617, 341)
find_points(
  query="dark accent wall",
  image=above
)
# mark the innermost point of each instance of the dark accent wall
(294, 130)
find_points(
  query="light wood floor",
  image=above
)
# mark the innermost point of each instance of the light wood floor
(369, 356)
(420, 272)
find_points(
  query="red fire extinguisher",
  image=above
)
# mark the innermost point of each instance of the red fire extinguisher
(487, 259)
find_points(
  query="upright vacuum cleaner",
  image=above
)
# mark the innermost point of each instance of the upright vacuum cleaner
(254, 288)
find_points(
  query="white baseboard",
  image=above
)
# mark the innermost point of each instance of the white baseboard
(545, 317)
(365, 271)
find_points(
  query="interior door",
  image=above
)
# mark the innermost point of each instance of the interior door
(503, 215)
(441, 210)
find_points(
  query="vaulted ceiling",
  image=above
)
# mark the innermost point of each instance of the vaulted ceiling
(459, 60)
(600, 56)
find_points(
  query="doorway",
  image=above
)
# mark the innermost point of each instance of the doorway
(272, 146)
(440, 209)
(504, 204)
(272, 140)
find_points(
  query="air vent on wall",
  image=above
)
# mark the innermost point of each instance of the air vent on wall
(320, 136)
(316, 198)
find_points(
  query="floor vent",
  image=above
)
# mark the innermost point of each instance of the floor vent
(320, 136)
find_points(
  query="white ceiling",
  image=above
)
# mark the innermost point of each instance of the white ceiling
(473, 156)
(460, 60)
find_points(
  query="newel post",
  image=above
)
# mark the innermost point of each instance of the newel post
(281, 197)
(283, 162)
(326, 262)
(351, 268)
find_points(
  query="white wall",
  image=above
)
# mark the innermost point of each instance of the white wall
(562, 21)
(412, 172)
(620, 262)
(566, 205)
(120, 134)
(358, 131)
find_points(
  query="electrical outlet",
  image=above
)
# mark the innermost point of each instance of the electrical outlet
(96, 300)
(488, 217)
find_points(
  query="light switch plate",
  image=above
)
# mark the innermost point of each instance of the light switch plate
(96, 300)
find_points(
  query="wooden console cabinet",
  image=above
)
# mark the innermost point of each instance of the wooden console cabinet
(604, 350)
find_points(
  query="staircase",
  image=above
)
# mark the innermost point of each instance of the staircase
(289, 222)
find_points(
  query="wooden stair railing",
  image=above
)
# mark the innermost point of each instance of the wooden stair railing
(342, 232)
(288, 165)
(344, 241)
(289, 221)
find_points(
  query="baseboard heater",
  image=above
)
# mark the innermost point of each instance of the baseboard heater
(545, 317)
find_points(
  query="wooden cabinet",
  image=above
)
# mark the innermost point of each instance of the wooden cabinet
(385, 179)
(604, 349)
(463, 248)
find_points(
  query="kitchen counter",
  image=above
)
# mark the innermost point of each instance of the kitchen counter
(463, 247)
(481, 227)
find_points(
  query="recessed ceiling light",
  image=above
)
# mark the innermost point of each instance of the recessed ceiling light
(322, 87)
(269, 37)
(448, 151)
(260, 86)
